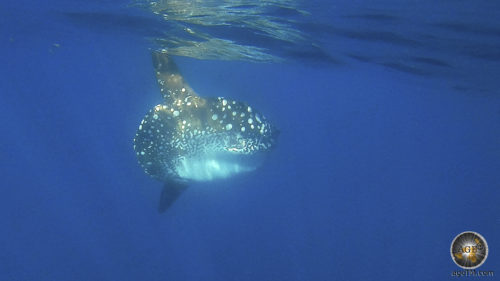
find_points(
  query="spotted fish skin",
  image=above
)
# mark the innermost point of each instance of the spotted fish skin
(169, 133)
(191, 138)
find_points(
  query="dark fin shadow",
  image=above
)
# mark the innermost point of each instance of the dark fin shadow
(171, 191)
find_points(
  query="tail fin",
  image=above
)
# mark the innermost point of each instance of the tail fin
(171, 191)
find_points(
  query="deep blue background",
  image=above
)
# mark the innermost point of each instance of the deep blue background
(375, 173)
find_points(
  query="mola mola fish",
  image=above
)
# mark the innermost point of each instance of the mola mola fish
(188, 138)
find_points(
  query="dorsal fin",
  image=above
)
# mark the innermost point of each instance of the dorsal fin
(172, 85)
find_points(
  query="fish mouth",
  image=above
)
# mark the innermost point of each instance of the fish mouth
(276, 133)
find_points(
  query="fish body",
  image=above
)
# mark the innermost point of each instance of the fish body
(188, 138)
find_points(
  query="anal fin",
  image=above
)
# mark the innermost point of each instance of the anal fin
(171, 191)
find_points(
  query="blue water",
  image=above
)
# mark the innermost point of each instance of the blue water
(376, 170)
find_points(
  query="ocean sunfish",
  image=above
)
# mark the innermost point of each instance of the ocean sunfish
(188, 138)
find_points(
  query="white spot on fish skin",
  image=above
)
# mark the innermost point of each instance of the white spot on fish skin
(234, 113)
(242, 129)
(258, 118)
(176, 113)
(183, 121)
(224, 102)
(214, 117)
(252, 126)
(242, 114)
(183, 90)
(142, 153)
(155, 116)
(229, 127)
(249, 109)
(250, 120)
(140, 127)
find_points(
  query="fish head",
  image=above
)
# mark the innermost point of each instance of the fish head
(246, 130)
